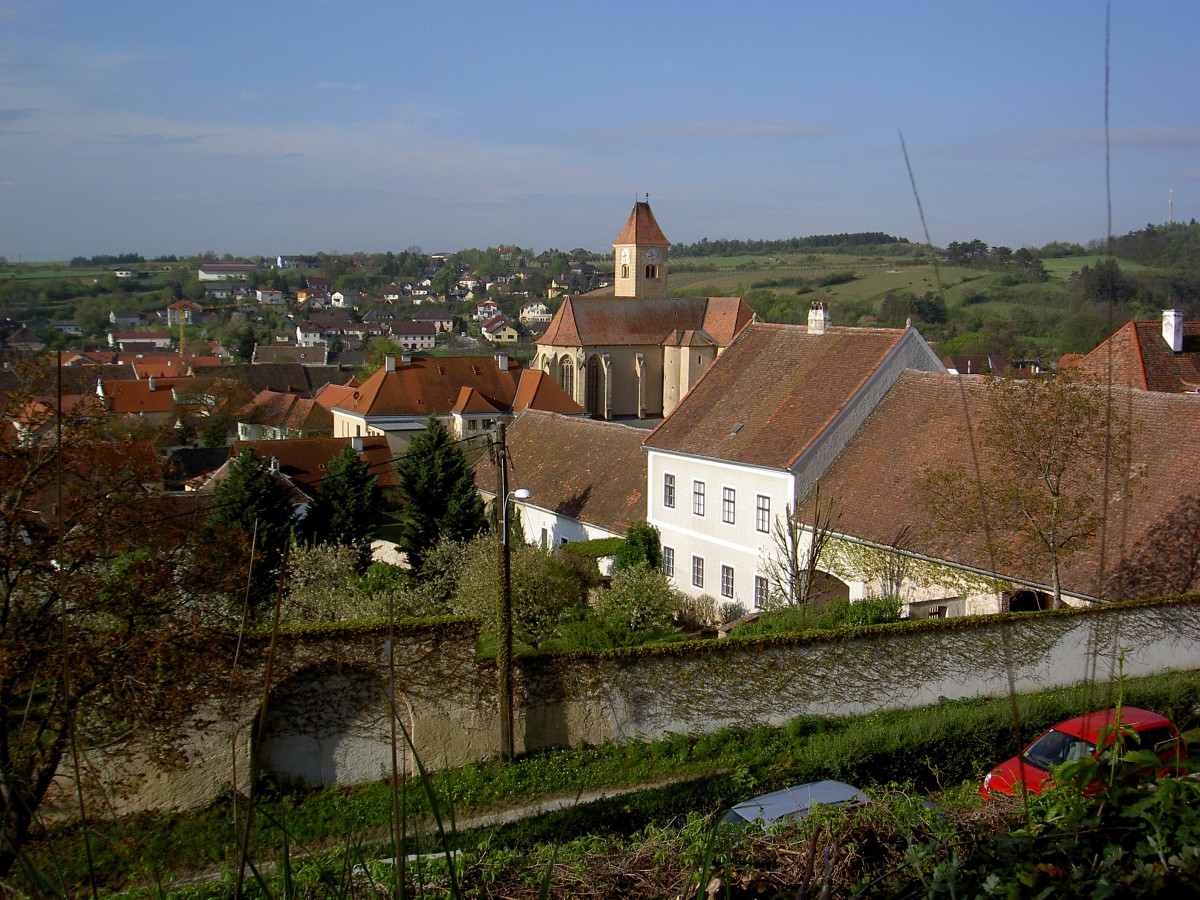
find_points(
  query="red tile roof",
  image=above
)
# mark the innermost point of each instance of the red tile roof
(582, 468)
(289, 412)
(773, 392)
(137, 396)
(1138, 356)
(922, 427)
(306, 460)
(432, 386)
(641, 228)
(621, 321)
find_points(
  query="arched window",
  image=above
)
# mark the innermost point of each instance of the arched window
(651, 271)
(566, 376)
(624, 271)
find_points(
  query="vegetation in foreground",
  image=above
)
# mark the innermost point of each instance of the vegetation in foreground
(654, 842)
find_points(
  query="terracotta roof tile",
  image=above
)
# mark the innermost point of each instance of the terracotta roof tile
(1138, 356)
(622, 321)
(585, 469)
(642, 228)
(922, 427)
(306, 460)
(781, 385)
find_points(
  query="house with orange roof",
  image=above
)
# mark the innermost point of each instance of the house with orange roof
(920, 427)
(593, 484)
(468, 394)
(182, 312)
(304, 462)
(151, 401)
(755, 435)
(639, 352)
(277, 416)
(1147, 355)
(499, 330)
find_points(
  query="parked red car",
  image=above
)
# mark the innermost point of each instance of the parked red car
(1076, 739)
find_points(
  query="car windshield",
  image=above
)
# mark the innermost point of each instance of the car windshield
(1055, 748)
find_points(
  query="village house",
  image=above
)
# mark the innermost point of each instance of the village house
(275, 416)
(182, 312)
(535, 312)
(268, 297)
(129, 340)
(468, 394)
(1150, 356)
(499, 330)
(225, 271)
(586, 478)
(438, 316)
(413, 335)
(485, 310)
(921, 427)
(754, 435)
(638, 353)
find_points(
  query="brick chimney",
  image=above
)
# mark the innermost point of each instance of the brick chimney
(818, 318)
(1172, 329)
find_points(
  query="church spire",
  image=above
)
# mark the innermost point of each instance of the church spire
(640, 256)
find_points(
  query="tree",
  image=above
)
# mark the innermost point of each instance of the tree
(441, 498)
(642, 548)
(1048, 441)
(96, 627)
(545, 588)
(794, 562)
(347, 507)
(253, 507)
(375, 352)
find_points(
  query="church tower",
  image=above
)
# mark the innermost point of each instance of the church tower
(640, 257)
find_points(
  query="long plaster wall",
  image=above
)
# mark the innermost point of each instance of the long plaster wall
(328, 714)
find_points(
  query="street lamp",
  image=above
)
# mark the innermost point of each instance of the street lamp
(504, 652)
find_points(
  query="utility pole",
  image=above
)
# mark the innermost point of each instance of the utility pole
(504, 589)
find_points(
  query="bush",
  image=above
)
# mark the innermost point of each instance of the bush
(641, 548)
(638, 599)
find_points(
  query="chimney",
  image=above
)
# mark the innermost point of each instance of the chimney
(274, 465)
(502, 360)
(150, 380)
(818, 318)
(1172, 329)
(389, 364)
(356, 443)
(406, 359)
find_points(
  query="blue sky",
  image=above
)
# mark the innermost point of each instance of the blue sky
(291, 127)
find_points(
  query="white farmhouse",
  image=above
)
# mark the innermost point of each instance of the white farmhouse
(755, 434)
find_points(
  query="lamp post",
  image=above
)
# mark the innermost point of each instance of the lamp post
(504, 589)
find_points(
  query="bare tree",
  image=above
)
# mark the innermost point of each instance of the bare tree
(799, 544)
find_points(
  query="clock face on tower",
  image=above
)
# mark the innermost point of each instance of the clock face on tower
(652, 255)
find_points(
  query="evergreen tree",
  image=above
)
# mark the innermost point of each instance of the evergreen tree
(442, 500)
(347, 506)
(642, 548)
(252, 503)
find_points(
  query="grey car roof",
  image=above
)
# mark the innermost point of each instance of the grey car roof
(798, 801)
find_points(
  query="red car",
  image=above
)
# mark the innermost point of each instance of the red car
(1076, 739)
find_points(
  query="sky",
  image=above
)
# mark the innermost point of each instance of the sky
(271, 127)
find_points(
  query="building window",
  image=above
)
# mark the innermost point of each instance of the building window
(698, 498)
(760, 591)
(727, 581)
(624, 271)
(545, 539)
(566, 376)
(669, 491)
(728, 502)
(762, 514)
(668, 561)
(651, 271)
(698, 571)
